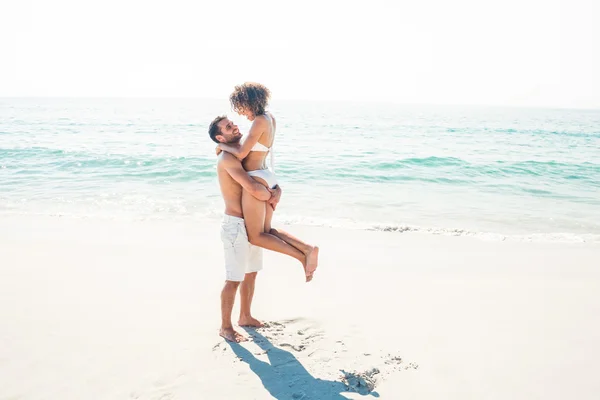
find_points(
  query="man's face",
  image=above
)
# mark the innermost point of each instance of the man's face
(229, 132)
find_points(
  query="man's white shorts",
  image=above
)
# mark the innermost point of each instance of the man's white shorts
(241, 257)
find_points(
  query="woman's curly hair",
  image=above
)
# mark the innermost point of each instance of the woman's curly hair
(250, 96)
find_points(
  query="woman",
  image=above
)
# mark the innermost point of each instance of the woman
(251, 100)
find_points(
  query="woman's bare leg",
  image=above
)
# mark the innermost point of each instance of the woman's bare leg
(311, 253)
(268, 217)
(254, 217)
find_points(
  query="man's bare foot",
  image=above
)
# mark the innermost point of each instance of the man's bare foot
(231, 335)
(312, 261)
(251, 322)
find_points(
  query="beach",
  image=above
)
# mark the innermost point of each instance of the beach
(105, 309)
(444, 156)
(459, 253)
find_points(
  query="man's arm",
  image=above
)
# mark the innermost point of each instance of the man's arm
(248, 141)
(234, 168)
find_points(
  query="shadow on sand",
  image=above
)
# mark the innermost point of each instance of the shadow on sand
(284, 377)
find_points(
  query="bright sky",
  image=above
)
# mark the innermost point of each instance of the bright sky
(509, 52)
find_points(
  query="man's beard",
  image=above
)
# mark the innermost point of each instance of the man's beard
(235, 139)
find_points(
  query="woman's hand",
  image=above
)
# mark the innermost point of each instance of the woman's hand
(218, 150)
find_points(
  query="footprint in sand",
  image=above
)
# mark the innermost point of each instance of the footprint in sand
(294, 347)
(361, 382)
(396, 361)
(412, 366)
(297, 334)
(393, 360)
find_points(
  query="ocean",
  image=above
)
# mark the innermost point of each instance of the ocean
(496, 173)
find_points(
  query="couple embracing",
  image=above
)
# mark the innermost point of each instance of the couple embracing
(251, 194)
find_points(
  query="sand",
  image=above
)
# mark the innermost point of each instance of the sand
(95, 309)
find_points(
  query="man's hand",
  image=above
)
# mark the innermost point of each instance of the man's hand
(275, 197)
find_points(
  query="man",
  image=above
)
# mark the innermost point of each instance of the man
(242, 260)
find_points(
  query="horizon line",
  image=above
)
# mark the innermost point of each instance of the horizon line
(384, 101)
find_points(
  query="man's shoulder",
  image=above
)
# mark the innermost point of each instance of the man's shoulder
(227, 159)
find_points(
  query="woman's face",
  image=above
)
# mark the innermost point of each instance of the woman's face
(246, 113)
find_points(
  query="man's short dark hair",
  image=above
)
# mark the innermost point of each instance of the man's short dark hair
(214, 130)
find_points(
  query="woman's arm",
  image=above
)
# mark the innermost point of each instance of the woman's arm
(241, 150)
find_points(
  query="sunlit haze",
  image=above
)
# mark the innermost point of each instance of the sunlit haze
(525, 52)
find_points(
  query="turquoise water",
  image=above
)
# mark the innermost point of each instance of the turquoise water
(527, 174)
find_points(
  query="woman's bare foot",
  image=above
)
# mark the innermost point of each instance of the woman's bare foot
(231, 335)
(307, 275)
(312, 260)
(250, 321)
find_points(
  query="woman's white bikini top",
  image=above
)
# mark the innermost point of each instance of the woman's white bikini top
(260, 147)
